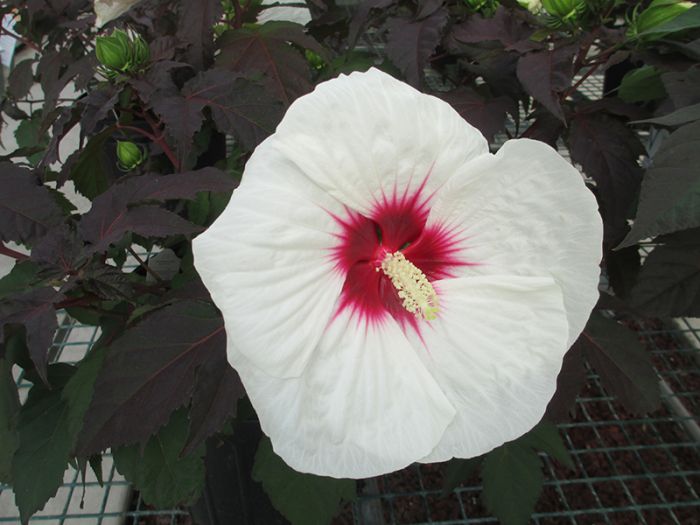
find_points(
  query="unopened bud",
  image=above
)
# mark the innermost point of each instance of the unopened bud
(141, 52)
(113, 51)
(130, 155)
(564, 11)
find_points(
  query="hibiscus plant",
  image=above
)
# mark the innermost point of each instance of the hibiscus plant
(306, 214)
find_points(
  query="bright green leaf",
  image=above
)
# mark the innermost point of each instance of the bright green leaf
(163, 477)
(9, 407)
(512, 476)
(690, 19)
(642, 85)
(304, 499)
(670, 195)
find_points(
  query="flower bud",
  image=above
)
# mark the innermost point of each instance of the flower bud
(113, 51)
(534, 6)
(141, 52)
(485, 7)
(564, 11)
(129, 155)
(659, 12)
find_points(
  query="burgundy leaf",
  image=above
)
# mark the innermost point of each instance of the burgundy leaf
(546, 74)
(622, 362)
(148, 221)
(21, 79)
(570, 381)
(488, 115)
(412, 42)
(546, 128)
(609, 152)
(503, 27)
(683, 87)
(360, 17)
(27, 210)
(114, 213)
(148, 373)
(267, 49)
(216, 393)
(35, 310)
(196, 29)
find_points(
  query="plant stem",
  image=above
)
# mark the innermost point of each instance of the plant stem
(19, 38)
(143, 265)
(4, 250)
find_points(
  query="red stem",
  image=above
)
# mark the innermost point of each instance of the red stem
(26, 42)
(238, 22)
(4, 250)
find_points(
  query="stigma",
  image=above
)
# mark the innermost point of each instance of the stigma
(412, 286)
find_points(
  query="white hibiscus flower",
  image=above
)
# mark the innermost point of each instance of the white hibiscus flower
(392, 292)
(108, 10)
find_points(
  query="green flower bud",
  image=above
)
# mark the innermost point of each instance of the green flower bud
(486, 7)
(564, 10)
(534, 6)
(113, 52)
(659, 12)
(129, 155)
(141, 52)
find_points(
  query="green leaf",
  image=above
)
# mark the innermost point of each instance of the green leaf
(622, 362)
(669, 199)
(512, 476)
(9, 408)
(669, 282)
(44, 444)
(90, 172)
(163, 477)
(79, 390)
(459, 470)
(29, 135)
(304, 499)
(22, 276)
(545, 437)
(688, 20)
(642, 85)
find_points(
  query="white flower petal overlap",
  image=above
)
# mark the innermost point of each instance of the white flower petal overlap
(108, 10)
(344, 380)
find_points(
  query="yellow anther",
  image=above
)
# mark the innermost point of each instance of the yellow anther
(412, 286)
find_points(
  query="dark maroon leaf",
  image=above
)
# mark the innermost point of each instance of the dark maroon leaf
(68, 118)
(668, 199)
(503, 27)
(93, 168)
(570, 381)
(622, 267)
(217, 390)
(609, 152)
(157, 82)
(428, 7)
(546, 74)
(35, 310)
(27, 210)
(196, 29)
(622, 362)
(114, 213)
(546, 128)
(488, 115)
(96, 106)
(237, 105)
(669, 282)
(148, 221)
(267, 49)
(359, 19)
(58, 252)
(21, 79)
(683, 87)
(148, 373)
(411, 42)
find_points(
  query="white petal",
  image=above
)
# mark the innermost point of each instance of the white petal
(526, 211)
(495, 350)
(108, 10)
(366, 405)
(362, 136)
(266, 261)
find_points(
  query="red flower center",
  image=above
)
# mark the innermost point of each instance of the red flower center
(396, 223)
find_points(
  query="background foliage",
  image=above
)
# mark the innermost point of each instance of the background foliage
(211, 86)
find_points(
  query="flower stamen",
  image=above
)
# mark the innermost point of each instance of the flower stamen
(414, 289)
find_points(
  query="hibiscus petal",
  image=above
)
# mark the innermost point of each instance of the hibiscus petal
(366, 405)
(367, 136)
(495, 350)
(267, 263)
(526, 211)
